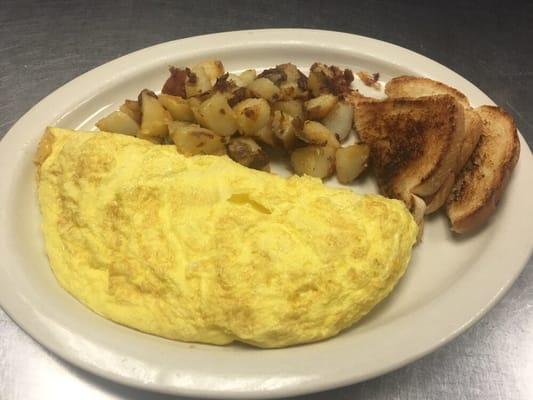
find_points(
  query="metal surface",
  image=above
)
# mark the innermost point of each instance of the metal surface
(45, 44)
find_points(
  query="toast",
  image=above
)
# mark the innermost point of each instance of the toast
(411, 86)
(415, 86)
(480, 184)
(414, 144)
(473, 129)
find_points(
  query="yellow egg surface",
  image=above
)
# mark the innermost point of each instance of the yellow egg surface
(202, 249)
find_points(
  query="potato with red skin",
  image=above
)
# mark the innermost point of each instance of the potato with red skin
(175, 84)
(197, 82)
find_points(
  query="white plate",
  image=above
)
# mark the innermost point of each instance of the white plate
(450, 283)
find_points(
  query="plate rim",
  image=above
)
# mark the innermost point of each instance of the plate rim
(271, 36)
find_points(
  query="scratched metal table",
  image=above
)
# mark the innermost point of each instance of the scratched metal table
(45, 44)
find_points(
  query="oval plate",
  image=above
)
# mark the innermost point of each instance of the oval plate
(449, 285)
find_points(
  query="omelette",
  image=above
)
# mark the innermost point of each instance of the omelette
(202, 249)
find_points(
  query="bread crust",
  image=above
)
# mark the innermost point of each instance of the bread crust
(473, 130)
(438, 199)
(481, 183)
(416, 86)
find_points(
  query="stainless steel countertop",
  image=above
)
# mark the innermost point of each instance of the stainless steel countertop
(45, 44)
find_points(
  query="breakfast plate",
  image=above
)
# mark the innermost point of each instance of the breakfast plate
(450, 284)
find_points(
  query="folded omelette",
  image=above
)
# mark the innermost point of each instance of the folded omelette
(202, 249)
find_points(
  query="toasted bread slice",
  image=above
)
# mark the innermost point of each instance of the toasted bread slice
(414, 143)
(354, 97)
(473, 128)
(415, 86)
(481, 183)
(412, 86)
(438, 199)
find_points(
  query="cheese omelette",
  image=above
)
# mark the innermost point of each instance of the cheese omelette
(202, 249)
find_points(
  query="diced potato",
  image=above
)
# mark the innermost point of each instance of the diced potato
(291, 107)
(315, 133)
(202, 107)
(224, 86)
(197, 82)
(329, 79)
(236, 79)
(153, 139)
(317, 83)
(264, 88)
(351, 161)
(198, 117)
(133, 109)
(214, 69)
(192, 139)
(296, 84)
(175, 84)
(154, 116)
(275, 75)
(247, 152)
(284, 130)
(178, 107)
(320, 106)
(266, 135)
(217, 115)
(340, 119)
(194, 103)
(236, 96)
(291, 90)
(247, 76)
(291, 71)
(318, 161)
(243, 79)
(252, 115)
(118, 122)
(142, 94)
